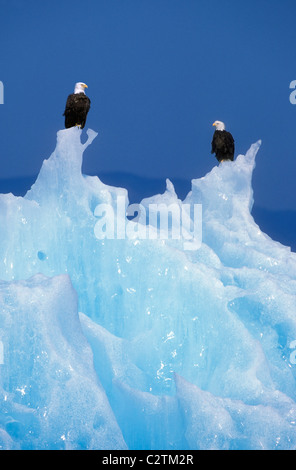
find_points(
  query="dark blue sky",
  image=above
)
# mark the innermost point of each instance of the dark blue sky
(159, 73)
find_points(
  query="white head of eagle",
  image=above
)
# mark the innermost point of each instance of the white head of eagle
(80, 87)
(77, 107)
(220, 126)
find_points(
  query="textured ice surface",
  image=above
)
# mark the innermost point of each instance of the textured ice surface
(138, 343)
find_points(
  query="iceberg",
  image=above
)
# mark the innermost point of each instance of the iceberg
(118, 334)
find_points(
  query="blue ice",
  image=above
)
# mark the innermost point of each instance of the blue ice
(134, 342)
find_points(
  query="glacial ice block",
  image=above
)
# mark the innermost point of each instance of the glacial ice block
(50, 396)
(172, 348)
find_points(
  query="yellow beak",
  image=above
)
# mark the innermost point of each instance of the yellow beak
(214, 123)
(85, 86)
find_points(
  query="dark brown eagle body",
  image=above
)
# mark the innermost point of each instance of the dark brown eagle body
(77, 107)
(223, 145)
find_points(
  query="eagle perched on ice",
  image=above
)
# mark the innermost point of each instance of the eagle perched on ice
(77, 107)
(222, 143)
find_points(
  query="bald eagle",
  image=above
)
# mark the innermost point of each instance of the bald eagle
(222, 143)
(77, 107)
